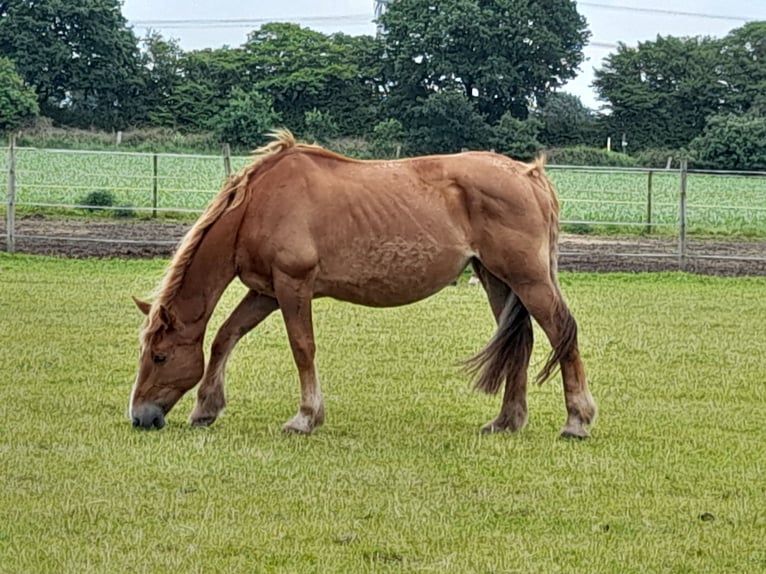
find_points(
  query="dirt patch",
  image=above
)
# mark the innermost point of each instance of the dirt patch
(636, 254)
(98, 238)
(140, 239)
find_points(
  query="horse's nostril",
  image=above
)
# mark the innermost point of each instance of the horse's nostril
(136, 422)
(159, 422)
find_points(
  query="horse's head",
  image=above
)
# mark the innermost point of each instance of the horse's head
(171, 363)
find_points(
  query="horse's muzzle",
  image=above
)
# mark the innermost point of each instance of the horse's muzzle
(148, 416)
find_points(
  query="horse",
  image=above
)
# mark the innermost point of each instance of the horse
(302, 222)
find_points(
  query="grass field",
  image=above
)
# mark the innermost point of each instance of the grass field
(399, 479)
(725, 205)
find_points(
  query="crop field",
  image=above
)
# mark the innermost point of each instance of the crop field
(399, 479)
(593, 200)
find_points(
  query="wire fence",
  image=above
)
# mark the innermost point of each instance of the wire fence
(672, 206)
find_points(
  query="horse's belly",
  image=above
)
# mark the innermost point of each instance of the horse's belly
(389, 272)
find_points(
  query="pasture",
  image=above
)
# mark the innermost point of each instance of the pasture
(399, 479)
(717, 204)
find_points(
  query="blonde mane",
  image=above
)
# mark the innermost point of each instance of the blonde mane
(235, 191)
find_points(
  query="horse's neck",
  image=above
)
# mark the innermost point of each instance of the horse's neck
(211, 269)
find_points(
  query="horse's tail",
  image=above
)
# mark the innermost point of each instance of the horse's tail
(508, 352)
(568, 336)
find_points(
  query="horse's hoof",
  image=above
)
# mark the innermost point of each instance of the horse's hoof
(572, 432)
(293, 429)
(493, 427)
(506, 423)
(299, 424)
(202, 421)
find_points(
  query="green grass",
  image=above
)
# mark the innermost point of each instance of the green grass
(722, 205)
(399, 479)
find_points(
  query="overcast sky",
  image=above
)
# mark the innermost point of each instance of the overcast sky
(607, 25)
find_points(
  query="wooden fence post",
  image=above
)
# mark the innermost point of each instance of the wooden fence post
(154, 185)
(227, 159)
(649, 203)
(10, 232)
(682, 217)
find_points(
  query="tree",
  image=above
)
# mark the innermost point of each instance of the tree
(206, 84)
(517, 138)
(163, 74)
(502, 55)
(320, 126)
(387, 137)
(566, 122)
(305, 70)
(732, 141)
(18, 102)
(742, 68)
(359, 104)
(661, 93)
(79, 54)
(246, 119)
(447, 122)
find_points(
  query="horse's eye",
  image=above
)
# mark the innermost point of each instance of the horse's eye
(159, 359)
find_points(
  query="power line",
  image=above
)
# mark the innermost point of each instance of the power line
(249, 22)
(367, 18)
(603, 45)
(619, 8)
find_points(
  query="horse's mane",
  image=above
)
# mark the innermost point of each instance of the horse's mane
(234, 192)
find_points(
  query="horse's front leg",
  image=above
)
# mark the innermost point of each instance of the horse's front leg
(211, 398)
(294, 296)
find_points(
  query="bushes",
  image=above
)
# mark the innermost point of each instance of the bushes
(246, 119)
(387, 138)
(357, 148)
(659, 157)
(589, 156)
(99, 198)
(42, 134)
(732, 142)
(517, 138)
(321, 127)
(124, 211)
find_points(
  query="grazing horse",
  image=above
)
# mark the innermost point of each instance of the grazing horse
(302, 222)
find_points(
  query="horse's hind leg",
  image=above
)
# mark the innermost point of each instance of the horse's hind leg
(513, 412)
(497, 291)
(211, 398)
(544, 301)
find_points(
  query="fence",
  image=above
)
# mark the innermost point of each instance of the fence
(670, 207)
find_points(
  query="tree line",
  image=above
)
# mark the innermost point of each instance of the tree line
(440, 77)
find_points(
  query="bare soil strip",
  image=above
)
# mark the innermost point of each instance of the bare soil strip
(141, 239)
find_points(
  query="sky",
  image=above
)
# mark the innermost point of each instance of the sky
(608, 22)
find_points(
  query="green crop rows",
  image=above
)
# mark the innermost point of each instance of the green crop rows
(716, 204)
(593, 200)
(65, 178)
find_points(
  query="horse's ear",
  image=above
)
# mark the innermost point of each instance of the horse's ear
(143, 306)
(166, 317)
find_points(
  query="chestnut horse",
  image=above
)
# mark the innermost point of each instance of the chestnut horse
(302, 222)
